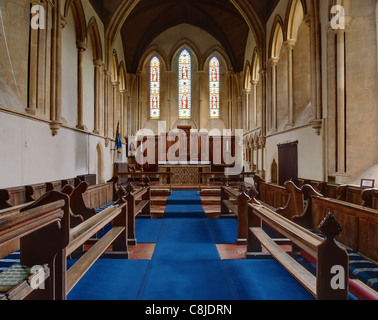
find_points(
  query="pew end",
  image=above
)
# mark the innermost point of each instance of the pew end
(35, 225)
(331, 258)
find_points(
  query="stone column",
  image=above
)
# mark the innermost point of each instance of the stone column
(290, 44)
(33, 73)
(230, 100)
(262, 144)
(139, 118)
(122, 107)
(115, 106)
(98, 71)
(273, 65)
(129, 115)
(341, 106)
(264, 99)
(107, 77)
(246, 113)
(58, 23)
(254, 85)
(81, 47)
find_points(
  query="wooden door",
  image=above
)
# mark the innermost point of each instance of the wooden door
(287, 162)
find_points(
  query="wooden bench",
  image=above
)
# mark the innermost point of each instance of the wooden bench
(116, 238)
(138, 202)
(238, 206)
(327, 252)
(36, 225)
(370, 198)
(271, 194)
(86, 200)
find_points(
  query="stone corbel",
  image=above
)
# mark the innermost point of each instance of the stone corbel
(317, 124)
(55, 126)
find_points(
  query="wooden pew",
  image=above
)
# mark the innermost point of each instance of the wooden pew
(239, 206)
(36, 225)
(360, 223)
(85, 200)
(139, 177)
(327, 252)
(273, 195)
(116, 238)
(370, 198)
(138, 202)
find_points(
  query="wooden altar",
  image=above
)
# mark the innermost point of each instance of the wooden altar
(184, 174)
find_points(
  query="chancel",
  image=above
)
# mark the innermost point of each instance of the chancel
(188, 150)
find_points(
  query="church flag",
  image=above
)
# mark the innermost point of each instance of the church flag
(118, 140)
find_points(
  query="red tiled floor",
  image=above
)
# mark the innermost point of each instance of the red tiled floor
(142, 251)
(231, 251)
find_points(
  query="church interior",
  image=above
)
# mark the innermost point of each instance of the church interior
(188, 150)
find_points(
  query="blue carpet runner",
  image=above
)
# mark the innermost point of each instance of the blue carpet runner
(186, 264)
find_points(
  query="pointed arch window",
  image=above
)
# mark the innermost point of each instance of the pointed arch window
(214, 88)
(155, 88)
(185, 77)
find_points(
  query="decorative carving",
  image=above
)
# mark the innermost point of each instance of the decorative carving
(330, 227)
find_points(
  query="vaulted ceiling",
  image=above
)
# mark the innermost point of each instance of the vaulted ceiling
(150, 18)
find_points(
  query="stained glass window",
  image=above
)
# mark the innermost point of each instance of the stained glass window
(214, 88)
(185, 75)
(155, 88)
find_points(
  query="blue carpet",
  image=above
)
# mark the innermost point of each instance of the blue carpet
(223, 231)
(263, 280)
(148, 230)
(186, 265)
(184, 204)
(111, 280)
(184, 197)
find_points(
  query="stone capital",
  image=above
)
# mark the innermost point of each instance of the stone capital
(81, 46)
(272, 62)
(290, 44)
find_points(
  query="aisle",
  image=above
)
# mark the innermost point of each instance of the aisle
(186, 264)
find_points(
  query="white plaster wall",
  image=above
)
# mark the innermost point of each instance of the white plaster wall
(69, 73)
(88, 88)
(310, 151)
(34, 156)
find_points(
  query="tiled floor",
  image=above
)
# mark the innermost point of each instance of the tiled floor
(231, 251)
(142, 251)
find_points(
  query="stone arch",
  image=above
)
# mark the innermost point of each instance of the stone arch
(295, 14)
(149, 54)
(220, 54)
(115, 67)
(255, 67)
(79, 18)
(94, 35)
(191, 47)
(276, 38)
